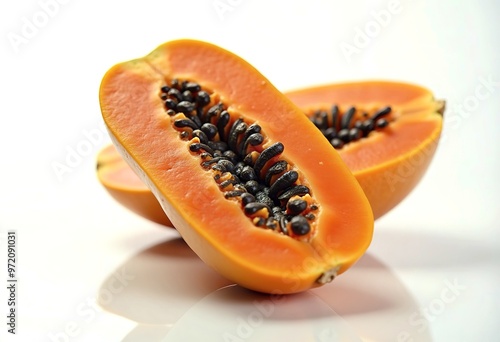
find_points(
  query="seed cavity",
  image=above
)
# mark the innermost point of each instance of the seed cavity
(266, 155)
(296, 206)
(299, 225)
(285, 181)
(268, 188)
(298, 190)
(254, 207)
(351, 125)
(277, 169)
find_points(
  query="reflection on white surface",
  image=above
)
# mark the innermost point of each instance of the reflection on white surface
(235, 314)
(167, 280)
(174, 296)
(375, 303)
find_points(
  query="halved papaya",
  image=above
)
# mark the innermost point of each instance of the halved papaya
(388, 163)
(402, 125)
(241, 173)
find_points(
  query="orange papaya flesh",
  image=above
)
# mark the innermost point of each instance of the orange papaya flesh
(165, 154)
(126, 187)
(388, 163)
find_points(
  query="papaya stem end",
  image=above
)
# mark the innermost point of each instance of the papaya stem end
(441, 106)
(328, 276)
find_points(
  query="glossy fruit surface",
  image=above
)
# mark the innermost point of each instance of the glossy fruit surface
(161, 147)
(388, 164)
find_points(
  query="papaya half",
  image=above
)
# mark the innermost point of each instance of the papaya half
(388, 162)
(244, 176)
(392, 130)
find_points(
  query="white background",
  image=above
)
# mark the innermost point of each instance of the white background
(73, 238)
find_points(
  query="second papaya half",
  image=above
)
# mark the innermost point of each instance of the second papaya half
(386, 132)
(248, 181)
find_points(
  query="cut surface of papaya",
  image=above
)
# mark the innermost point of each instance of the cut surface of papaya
(388, 163)
(404, 127)
(243, 175)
